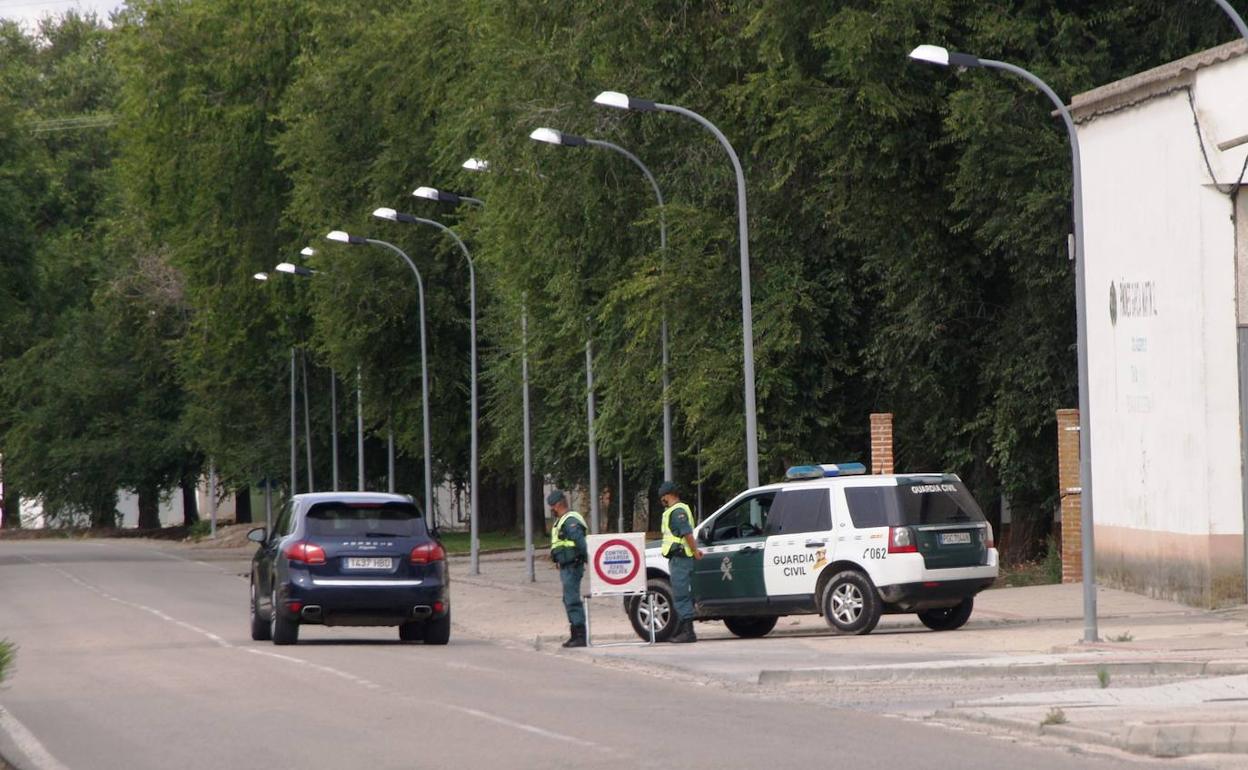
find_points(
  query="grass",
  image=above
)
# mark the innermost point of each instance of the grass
(1055, 717)
(1040, 572)
(457, 542)
(1125, 636)
(6, 657)
(199, 530)
(1102, 676)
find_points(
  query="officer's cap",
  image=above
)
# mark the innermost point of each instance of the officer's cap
(555, 497)
(668, 488)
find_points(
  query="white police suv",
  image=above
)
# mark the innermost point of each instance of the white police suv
(833, 541)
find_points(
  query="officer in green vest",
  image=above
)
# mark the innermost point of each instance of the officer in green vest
(681, 550)
(567, 550)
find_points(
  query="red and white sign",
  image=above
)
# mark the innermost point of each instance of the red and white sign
(617, 563)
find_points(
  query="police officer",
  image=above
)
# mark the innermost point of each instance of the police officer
(681, 550)
(567, 550)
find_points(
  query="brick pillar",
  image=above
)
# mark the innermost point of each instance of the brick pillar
(1072, 501)
(882, 442)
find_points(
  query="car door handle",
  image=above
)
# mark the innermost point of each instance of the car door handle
(748, 549)
(816, 543)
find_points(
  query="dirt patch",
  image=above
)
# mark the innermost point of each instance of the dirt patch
(56, 533)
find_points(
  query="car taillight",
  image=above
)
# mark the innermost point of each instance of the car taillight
(901, 540)
(308, 553)
(989, 540)
(428, 552)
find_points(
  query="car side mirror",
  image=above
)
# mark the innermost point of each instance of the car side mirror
(257, 535)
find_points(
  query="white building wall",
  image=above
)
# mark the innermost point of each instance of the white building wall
(1163, 371)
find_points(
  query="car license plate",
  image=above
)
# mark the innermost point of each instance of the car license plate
(955, 538)
(357, 562)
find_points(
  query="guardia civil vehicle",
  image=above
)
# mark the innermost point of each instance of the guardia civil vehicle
(834, 541)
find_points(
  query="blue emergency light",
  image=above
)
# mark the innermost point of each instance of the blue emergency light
(824, 471)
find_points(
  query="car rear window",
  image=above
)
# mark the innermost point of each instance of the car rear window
(365, 520)
(912, 502)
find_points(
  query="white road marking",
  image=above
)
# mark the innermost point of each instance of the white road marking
(27, 743)
(484, 715)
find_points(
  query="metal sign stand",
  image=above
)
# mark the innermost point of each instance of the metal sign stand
(589, 639)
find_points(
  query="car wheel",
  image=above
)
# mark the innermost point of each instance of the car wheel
(259, 624)
(282, 631)
(948, 618)
(664, 614)
(438, 630)
(850, 603)
(750, 628)
(411, 632)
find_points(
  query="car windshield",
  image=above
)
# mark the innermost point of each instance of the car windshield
(365, 520)
(914, 501)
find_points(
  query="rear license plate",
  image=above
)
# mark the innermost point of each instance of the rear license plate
(955, 538)
(356, 562)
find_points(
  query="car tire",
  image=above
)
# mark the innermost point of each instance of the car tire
(850, 603)
(259, 624)
(438, 630)
(948, 618)
(411, 632)
(282, 630)
(751, 628)
(664, 611)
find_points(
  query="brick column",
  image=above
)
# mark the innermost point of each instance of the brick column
(882, 442)
(1072, 501)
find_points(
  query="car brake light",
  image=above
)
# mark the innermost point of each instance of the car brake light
(428, 552)
(308, 553)
(989, 540)
(901, 540)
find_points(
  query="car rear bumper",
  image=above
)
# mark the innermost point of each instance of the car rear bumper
(931, 594)
(362, 601)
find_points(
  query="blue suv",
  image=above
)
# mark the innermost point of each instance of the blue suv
(349, 559)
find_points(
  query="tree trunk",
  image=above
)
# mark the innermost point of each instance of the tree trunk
(190, 502)
(149, 508)
(242, 505)
(498, 504)
(12, 509)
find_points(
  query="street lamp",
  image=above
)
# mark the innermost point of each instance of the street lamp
(294, 431)
(355, 240)
(476, 164)
(473, 505)
(444, 196)
(621, 101)
(938, 55)
(559, 138)
(1235, 17)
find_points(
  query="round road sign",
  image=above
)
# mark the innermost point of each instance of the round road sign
(617, 562)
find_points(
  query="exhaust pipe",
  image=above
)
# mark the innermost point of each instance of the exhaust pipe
(311, 612)
(421, 611)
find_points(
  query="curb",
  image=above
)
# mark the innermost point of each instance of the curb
(982, 671)
(1161, 741)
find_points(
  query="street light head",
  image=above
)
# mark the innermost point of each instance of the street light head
(342, 237)
(476, 164)
(286, 267)
(554, 136)
(428, 193)
(307, 251)
(261, 276)
(935, 54)
(623, 101)
(384, 213)
(293, 269)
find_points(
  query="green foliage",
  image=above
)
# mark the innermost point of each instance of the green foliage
(1102, 677)
(907, 233)
(1055, 717)
(199, 530)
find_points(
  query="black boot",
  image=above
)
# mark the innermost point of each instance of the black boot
(684, 633)
(578, 637)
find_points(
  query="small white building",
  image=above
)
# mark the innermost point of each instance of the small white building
(1166, 241)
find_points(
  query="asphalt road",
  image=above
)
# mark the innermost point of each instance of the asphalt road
(133, 658)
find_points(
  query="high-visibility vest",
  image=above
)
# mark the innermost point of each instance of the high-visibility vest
(556, 532)
(668, 538)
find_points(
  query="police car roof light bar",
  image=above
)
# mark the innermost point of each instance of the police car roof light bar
(824, 471)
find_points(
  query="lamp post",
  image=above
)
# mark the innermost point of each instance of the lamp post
(622, 101)
(941, 56)
(474, 504)
(355, 240)
(562, 139)
(1235, 17)
(294, 433)
(397, 216)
